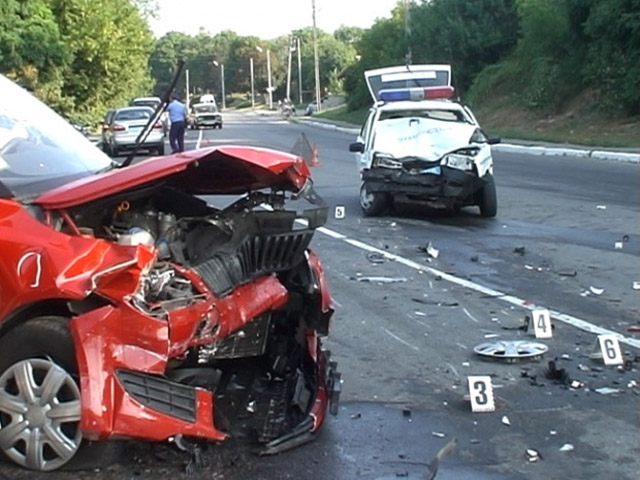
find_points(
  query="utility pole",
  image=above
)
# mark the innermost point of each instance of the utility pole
(299, 70)
(253, 97)
(224, 104)
(186, 74)
(289, 70)
(407, 31)
(221, 65)
(315, 57)
(269, 75)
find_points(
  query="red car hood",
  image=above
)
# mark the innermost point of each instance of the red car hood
(217, 170)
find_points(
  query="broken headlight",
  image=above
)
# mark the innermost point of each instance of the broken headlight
(458, 161)
(386, 161)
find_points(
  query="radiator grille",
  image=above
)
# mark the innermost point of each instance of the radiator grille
(256, 256)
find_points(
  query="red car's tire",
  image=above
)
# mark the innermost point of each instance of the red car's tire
(39, 383)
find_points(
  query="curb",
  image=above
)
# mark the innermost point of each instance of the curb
(513, 148)
(568, 152)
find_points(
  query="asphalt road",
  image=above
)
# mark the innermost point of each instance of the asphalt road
(406, 349)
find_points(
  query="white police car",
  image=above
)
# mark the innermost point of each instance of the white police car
(419, 145)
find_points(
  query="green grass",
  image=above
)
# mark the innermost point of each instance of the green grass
(340, 114)
(573, 127)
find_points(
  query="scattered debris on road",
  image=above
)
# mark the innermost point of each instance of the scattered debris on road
(376, 258)
(381, 279)
(519, 250)
(607, 390)
(568, 273)
(596, 290)
(437, 303)
(432, 468)
(567, 447)
(558, 375)
(506, 421)
(430, 250)
(533, 455)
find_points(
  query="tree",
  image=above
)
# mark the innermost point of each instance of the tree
(467, 34)
(383, 45)
(31, 48)
(109, 43)
(612, 33)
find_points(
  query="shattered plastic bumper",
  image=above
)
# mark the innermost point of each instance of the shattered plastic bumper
(328, 393)
(445, 183)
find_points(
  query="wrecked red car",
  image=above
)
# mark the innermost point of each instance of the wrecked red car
(174, 299)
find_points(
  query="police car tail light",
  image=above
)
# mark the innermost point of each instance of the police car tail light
(415, 94)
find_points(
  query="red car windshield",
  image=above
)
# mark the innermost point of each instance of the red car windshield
(38, 149)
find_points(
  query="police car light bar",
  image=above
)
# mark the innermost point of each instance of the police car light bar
(414, 94)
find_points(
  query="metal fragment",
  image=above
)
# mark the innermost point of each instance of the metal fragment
(382, 279)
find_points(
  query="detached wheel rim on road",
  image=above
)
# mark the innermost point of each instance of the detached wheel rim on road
(39, 414)
(511, 350)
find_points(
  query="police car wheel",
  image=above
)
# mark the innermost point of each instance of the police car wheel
(488, 198)
(372, 203)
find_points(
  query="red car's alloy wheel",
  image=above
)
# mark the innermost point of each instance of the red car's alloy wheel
(39, 414)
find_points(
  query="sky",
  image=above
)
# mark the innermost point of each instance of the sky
(265, 19)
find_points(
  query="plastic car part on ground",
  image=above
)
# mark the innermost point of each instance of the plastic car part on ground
(511, 350)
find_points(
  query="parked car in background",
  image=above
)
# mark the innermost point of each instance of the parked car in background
(419, 145)
(205, 115)
(207, 98)
(130, 307)
(123, 127)
(153, 102)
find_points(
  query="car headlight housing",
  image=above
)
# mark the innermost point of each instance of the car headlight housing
(458, 161)
(386, 161)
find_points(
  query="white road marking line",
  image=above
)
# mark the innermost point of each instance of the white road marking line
(200, 132)
(400, 340)
(463, 346)
(562, 317)
(469, 315)
(336, 303)
(331, 233)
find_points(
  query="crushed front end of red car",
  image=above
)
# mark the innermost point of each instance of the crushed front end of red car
(134, 303)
